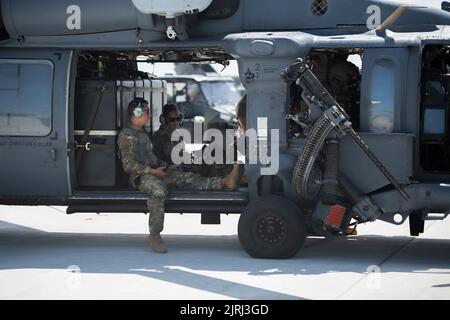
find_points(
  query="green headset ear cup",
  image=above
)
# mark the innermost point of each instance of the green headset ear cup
(137, 112)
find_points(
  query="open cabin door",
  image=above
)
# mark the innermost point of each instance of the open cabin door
(34, 104)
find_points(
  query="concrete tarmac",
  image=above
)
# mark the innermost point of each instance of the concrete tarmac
(45, 254)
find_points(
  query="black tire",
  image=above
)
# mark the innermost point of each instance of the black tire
(272, 228)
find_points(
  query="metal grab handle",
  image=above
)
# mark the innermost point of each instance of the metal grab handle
(86, 146)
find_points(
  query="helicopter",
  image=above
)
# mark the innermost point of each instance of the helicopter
(356, 142)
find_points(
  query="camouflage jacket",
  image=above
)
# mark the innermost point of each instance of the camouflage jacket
(136, 151)
(162, 144)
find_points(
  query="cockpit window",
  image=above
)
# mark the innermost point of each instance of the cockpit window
(220, 93)
(26, 89)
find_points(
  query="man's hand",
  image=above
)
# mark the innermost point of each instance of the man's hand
(159, 172)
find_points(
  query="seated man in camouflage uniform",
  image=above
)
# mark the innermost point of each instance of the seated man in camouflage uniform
(153, 176)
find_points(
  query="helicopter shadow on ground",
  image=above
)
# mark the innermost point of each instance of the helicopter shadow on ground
(190, 256)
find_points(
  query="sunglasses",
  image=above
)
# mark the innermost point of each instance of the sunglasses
(174, 119)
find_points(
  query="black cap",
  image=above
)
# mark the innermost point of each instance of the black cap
(167, 108)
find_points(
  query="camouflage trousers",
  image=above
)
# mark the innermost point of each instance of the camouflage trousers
(157, 190)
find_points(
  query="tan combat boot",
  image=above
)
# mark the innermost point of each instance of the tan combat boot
(232, 180)
(351, 231)
(156, 243)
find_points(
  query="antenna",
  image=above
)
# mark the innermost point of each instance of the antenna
(395, 15)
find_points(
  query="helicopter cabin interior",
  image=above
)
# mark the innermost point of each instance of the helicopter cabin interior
(104, 85)
(434, 115)
(107, 81)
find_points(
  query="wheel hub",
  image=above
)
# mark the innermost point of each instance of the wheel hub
(271, 230)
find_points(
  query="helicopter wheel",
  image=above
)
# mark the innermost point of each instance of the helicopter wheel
(272, 228)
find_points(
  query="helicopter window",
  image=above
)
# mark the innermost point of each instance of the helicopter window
(382, 97)
(26, 95)
(221, 92)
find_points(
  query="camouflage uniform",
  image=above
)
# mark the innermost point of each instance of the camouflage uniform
(137, 154)
(162, 146)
